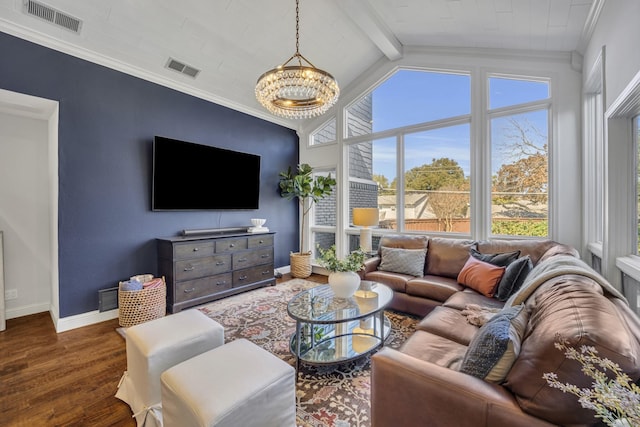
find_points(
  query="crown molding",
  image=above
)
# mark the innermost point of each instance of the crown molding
(590, 25)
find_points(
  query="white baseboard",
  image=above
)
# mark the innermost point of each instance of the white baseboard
(84, 319)
(26, 310)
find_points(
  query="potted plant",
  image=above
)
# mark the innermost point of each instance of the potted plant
(343, 276)
(308, 189)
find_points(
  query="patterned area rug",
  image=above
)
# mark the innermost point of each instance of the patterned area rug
(326, 396)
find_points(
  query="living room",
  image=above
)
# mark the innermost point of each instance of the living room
(94, 119)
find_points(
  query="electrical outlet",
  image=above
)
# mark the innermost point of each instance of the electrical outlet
(11, 294)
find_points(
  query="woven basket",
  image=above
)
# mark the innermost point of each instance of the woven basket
(300, 264)
(141, 306)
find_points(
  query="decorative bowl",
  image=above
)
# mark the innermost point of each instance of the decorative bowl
(258, 222)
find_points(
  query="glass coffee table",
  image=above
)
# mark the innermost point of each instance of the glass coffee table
(331, 330)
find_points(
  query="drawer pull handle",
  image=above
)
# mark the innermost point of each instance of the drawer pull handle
(261, 241)
(243, 277)
(224, 282)
(264, 256)
(220, 263)
(264, 273)
(196, 249)
(232, 245)
(242, 260)
(186, 291)
(191, 268)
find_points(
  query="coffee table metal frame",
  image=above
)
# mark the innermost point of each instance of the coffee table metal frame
(331, 330)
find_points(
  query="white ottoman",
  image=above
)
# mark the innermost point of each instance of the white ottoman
(238, 384)
(155, 346)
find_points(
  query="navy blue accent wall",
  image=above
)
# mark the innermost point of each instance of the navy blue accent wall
(107, 122)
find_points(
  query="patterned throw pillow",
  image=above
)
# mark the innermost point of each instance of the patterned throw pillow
(513, 277)
(481, 276)
(406, 261)
(496, 345)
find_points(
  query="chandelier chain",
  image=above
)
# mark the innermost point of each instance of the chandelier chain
(298, 31)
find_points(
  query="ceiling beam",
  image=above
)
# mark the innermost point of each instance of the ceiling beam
(366, 18)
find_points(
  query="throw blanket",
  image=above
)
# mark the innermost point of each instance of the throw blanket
(555, 266)
(478, 315)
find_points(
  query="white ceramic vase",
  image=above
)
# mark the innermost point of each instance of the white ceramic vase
(344, 283)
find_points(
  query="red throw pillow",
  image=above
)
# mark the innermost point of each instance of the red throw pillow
(481, 276)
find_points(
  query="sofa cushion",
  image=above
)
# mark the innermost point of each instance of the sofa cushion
(447, 256)
(437, 288)
(396, 281)
(500, 259)
(534, 248)
(435, 349)
(406, 261)
(572, 307)
(481, 276)
(513, 277)
(460, 300)
(495, 347)
(448, 323)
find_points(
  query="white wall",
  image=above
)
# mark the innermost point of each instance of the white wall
(25, 212)
(618, 29)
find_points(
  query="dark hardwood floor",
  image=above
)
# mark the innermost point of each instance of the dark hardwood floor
(65, 379)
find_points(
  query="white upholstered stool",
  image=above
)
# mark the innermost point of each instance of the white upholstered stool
(238, 384)
(155, 346)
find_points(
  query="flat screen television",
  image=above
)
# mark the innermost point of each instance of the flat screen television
(189, 176)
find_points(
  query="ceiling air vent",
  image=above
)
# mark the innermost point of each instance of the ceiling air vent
(178, 66)
(61, 19)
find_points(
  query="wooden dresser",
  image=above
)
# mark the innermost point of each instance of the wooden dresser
(203, 268)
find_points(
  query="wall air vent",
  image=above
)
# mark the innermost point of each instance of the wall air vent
(178, 66)
(61, 19)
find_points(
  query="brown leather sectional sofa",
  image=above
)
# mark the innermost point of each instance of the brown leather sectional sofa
(445, 375)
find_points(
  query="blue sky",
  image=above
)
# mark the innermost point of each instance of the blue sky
(410, 97)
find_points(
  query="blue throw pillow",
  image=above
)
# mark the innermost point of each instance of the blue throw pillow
(500, 260)
(513, 278)
(496, 345)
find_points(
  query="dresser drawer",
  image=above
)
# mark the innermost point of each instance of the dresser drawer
(193, 250)
(231, 245)
(201, 267)
(253, 274)
(211, 285)
(259, 241)
(256, 257)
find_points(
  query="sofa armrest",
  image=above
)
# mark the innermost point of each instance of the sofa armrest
(406, 391)
(370, 265)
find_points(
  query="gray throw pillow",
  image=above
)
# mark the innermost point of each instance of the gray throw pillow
(496, 345)
(513, 278)
(405, 261)
(500, 260)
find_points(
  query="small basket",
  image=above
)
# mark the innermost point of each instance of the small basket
(142, 305)
(300, 265)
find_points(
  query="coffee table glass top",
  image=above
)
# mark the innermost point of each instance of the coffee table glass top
(319, 305)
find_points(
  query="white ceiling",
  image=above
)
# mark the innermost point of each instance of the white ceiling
(233, 42)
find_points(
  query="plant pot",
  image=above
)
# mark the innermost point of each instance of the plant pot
(344, 283)
(300, 264)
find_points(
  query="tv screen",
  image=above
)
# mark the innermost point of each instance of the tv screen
(188, 176)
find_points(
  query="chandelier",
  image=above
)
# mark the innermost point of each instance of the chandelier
(297, 91)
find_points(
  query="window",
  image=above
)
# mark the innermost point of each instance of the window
(519, 157)
(417, 151)
(324, 215)
(325, 134)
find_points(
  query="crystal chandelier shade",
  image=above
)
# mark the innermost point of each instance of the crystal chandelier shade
(297, 91)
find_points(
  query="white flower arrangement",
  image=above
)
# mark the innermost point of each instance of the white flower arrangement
(613, 395)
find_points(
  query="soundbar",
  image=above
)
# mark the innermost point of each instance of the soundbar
(214, 231)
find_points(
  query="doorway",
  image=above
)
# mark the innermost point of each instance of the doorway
(29, 204)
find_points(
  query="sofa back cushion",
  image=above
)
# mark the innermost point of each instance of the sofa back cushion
(534, 248)
(447, 256)
(573, 308)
